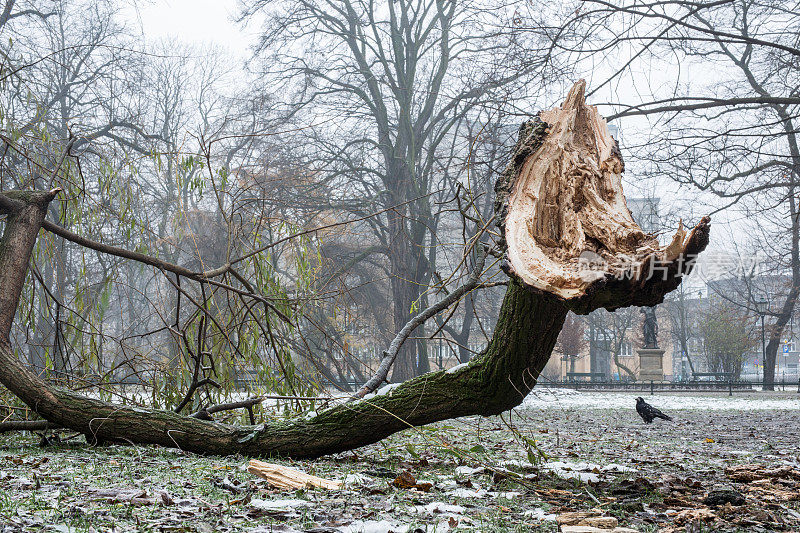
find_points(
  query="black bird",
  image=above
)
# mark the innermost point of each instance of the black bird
(648, 412)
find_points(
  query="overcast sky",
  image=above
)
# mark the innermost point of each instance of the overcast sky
(193, 22)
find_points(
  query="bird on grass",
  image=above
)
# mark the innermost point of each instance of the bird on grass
(648, 412)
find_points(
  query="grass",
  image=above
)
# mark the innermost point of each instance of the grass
(76, 487)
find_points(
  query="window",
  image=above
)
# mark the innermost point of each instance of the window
(695, 345)
(626, 350)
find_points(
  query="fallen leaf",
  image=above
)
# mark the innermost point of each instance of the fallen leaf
(404, 481)
(407, 481)
(166, 499)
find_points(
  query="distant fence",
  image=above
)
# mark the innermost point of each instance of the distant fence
(652, 387)
(729, 386)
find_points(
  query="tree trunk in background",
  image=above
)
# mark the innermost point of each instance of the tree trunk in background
(464, 353)
(404, 293)
(775, 334)
(408, 229)
(790, 303)
(423, 363)
(680, 327)
(43, 333)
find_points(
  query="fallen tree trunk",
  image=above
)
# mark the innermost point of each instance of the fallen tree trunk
(26, 425)
(560, 197)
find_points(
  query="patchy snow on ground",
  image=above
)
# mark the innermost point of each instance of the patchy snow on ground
(374, 526)
(440, 508)
(602, 463)
(583, 471)
(275, 505)
(742, 401)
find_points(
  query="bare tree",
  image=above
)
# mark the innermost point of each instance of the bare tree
(389, 83)
(684, 317)
(571, 340)
(608, 332)
(727, 335)
(732, 133)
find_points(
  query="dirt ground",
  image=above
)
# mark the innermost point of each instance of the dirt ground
(565, 461)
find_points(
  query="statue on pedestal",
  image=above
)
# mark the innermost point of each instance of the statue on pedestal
(650, 327)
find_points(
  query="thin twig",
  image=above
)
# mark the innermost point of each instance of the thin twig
(249, 403)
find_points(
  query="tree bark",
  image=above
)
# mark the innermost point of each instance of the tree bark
(406, 286)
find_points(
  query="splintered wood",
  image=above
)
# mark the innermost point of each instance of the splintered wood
(284, 477)
(565, 222)
(567, 199)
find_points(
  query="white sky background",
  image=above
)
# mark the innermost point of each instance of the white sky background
(195, 22)
(201, 23)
